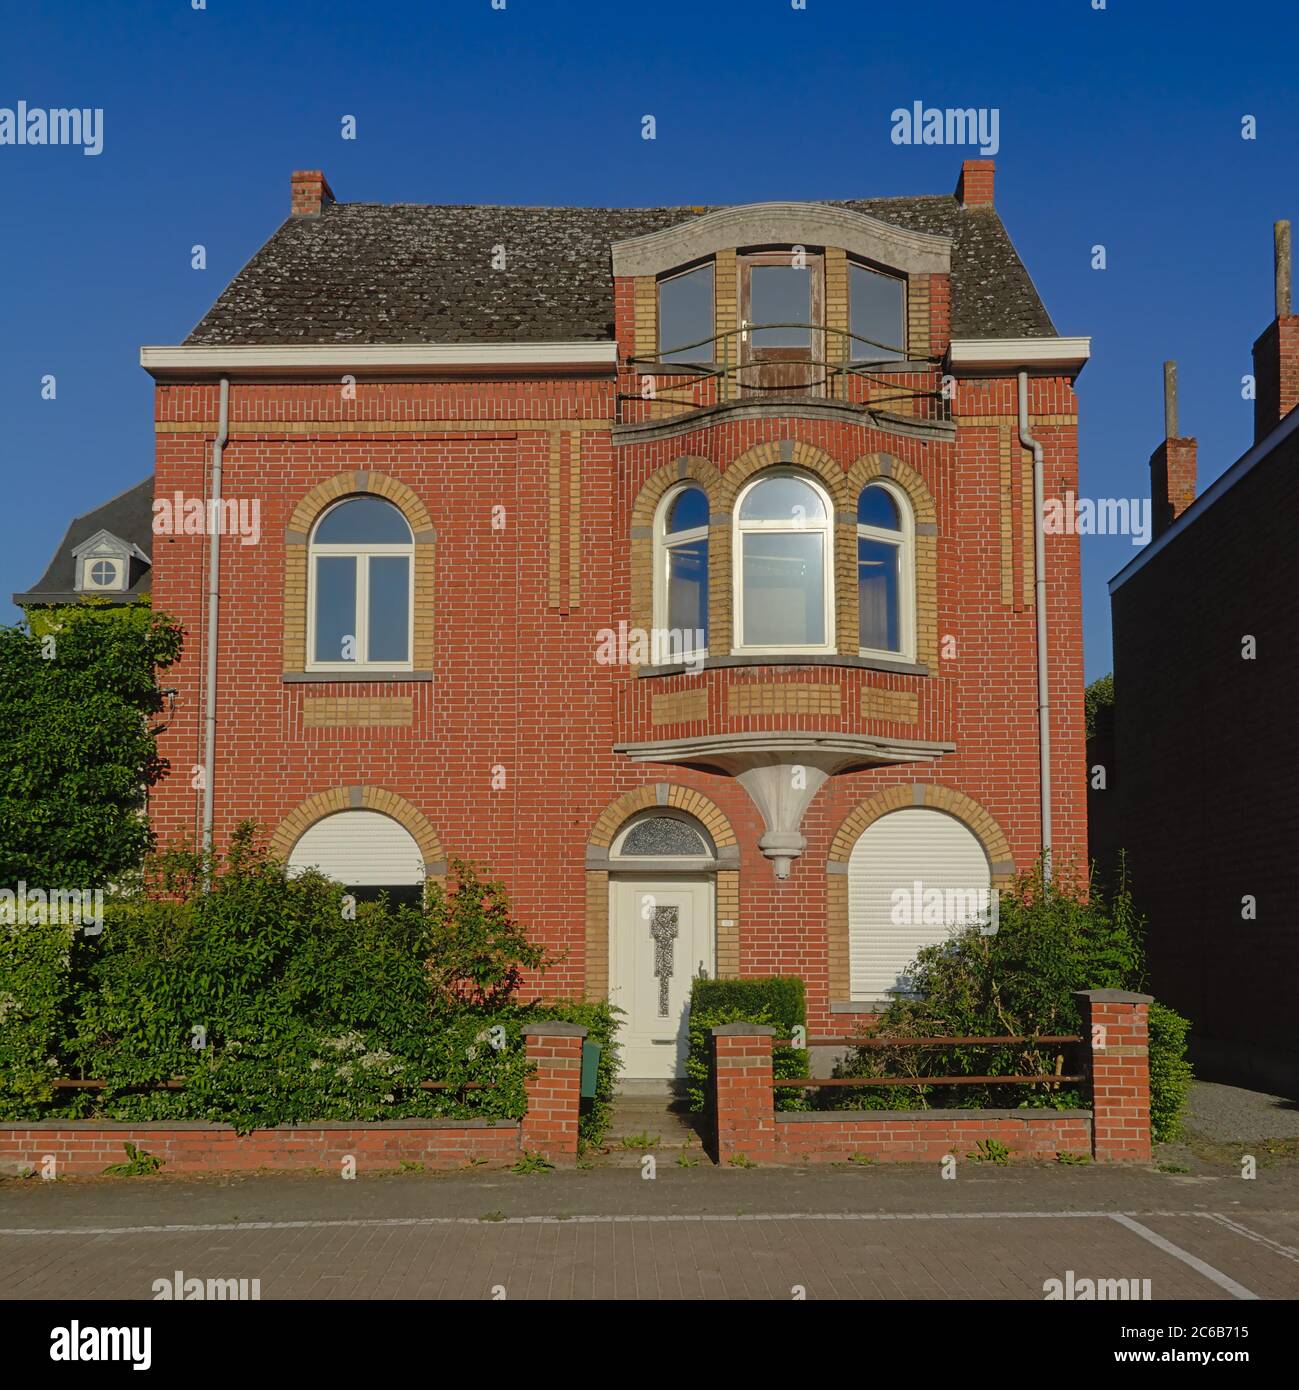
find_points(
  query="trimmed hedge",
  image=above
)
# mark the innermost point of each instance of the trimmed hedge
(777, 1000)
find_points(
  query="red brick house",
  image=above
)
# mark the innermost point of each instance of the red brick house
(498, 452)
(1206, 665)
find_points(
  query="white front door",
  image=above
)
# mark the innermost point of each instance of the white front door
(660, 938)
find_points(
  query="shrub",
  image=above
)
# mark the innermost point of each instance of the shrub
(1170, 1072)
(276, 1004)
(77, 748)
(1018, 981)
(34, 987)
(778, 1001)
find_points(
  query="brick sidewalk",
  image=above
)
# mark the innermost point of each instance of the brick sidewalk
(696, 1234)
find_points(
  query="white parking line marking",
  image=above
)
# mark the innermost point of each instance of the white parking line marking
(1287, 1251)
(551, 1221)
(1223, 1281)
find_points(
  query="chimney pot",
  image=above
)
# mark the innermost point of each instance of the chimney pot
(975, 186)
(1172, 465)
(1170, 400)
(1276, 353)
(310, 192)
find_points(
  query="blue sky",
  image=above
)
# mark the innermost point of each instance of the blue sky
(1118, 126)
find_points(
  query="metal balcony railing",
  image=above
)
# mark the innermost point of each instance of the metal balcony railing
(736, 376)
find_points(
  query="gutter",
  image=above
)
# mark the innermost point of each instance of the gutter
(332, 359)
(213, 606)
(1039, 594)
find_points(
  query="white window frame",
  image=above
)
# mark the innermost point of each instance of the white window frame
(905, 541)
(362, 552)
(663, 554)
(121, 573)
(825, 528)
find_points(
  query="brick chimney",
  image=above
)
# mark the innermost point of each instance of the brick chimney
(1276, 354)
(1172, 465)
(974, 187)
(311, 192)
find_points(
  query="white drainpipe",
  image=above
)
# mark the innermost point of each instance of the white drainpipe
(1039, 590)
(213, 601)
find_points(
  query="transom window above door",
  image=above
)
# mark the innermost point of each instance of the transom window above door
(784, 565)
(361, 587)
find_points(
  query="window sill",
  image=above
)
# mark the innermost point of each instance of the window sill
(355, 677)
(709, 663)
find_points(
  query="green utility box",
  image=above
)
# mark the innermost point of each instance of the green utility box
(590, 1067)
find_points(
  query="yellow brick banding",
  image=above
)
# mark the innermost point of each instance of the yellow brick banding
(680, 707)
(357, 711)
(891, 706)
(785, 698)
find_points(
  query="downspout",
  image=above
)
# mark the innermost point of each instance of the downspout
(213, 601)
(1039, 593)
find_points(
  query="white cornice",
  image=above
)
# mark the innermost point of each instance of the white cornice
(404, 358)
(992, 354)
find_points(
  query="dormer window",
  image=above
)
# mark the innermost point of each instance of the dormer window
(106, 564)
(686, 315)
(103, 572)
(877, 306)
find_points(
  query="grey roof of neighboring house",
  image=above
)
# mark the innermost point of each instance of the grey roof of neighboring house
(406, 273)
(129, 516)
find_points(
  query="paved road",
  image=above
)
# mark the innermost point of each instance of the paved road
(838, 1233)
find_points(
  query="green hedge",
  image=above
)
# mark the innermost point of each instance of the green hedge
(278, 1001)
(1170, 1072)
(778, 1001)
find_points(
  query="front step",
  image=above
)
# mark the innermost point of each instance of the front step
(651, 1117)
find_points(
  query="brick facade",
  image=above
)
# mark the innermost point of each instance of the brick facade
(530, 495)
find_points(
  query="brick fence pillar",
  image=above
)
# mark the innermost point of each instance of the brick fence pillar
(1115, 1030)
(744, 1112)
(554, 1090)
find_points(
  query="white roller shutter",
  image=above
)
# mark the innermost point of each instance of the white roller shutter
(361, 848)
(897, 852)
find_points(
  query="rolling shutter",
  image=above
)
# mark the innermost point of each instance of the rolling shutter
(361, 849)
(895, 852)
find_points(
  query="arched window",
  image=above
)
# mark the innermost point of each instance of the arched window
(784, 566)
(885, 572)
(361, 587)
(915, 877)
(368, 852)
(681, 570)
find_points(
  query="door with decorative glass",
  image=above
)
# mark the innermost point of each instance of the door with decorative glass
(661, 938)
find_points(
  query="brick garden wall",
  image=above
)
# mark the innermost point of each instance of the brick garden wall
(1116, 1129)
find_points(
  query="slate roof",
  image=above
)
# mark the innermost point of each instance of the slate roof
(410, 273)
(129, 516)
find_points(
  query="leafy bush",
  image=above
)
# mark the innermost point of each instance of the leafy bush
(34, 987)
(275, 1003)
(1170, 1072)
(777, 1000)
(1017, 981)
(76, 746)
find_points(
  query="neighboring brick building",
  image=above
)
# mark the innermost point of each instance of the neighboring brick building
(1206, 666)
(479, 446)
